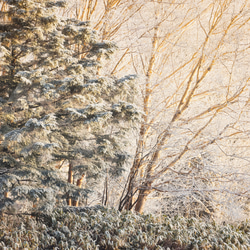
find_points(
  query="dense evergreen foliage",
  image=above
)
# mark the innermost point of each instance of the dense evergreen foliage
(102, 228)
(58, 110)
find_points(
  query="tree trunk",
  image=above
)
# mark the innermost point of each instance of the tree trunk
(69, 201)
(142, 197)
(138, 165)
(70, 180)
(126, 201)
(70, 174)
(75, 203)
(105, 195)
(78, 184)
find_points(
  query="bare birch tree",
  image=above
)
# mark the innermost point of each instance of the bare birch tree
(195, 95)
(192, 59)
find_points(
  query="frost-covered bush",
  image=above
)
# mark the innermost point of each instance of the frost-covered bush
(102, 228)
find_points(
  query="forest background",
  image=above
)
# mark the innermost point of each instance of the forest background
(188, 142)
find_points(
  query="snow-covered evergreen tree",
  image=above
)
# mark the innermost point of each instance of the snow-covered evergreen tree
(57, 109)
